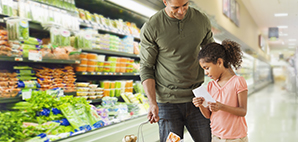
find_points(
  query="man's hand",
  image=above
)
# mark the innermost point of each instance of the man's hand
(153, 113)
(198, 101)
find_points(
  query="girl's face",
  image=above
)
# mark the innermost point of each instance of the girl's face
(213, 71)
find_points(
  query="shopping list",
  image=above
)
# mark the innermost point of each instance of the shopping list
(202, 92)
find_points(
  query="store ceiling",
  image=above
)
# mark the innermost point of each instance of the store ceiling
(263, 12)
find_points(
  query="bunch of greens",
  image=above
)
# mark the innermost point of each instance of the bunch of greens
(11, 126)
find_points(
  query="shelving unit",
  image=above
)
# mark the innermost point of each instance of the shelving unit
(111, 53)
(36, 28)
(54, 61)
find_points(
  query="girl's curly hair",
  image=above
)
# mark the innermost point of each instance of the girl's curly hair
(229, 51)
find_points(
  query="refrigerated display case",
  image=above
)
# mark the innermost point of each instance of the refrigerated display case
(262, 74)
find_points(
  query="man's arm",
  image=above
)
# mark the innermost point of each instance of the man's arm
(149, 88)
(148, 54)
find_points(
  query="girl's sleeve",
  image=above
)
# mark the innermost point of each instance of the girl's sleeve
(241, 85)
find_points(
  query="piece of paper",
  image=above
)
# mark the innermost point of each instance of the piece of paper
(202, 92)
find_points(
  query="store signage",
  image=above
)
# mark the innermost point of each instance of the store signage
(273, 33)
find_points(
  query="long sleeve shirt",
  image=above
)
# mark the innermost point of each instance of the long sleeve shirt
(169, 50)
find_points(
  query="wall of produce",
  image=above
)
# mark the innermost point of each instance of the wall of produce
(65, 71)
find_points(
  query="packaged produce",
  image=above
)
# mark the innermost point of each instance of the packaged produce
(18, 29)
(82, 93)
(91, 68)
(83, 89)
(55, 36)
(91, 56)
(93, 86)
(81, 68)
(33, 41)
(7, 7)
(82, 84)
(65, 37)
(69, 112)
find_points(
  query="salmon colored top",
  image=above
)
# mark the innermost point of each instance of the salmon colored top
(224, 124)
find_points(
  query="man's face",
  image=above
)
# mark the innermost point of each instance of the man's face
(176, 8)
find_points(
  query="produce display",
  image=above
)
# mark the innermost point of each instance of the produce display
(46, 114)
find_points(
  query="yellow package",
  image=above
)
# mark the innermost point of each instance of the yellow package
(172, 137)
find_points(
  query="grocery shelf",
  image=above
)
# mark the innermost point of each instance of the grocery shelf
(113, 53)
(10, 100)
(106, 29)
(56, 61)
(107, 73)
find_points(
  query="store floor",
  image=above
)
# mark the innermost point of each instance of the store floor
(272, 115)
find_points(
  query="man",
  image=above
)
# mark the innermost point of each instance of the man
(170, 43)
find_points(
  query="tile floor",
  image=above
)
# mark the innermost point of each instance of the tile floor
(272, 115)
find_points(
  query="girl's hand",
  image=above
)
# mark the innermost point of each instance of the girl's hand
(215, 106)
(198, 101)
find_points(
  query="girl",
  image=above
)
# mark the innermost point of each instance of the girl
(227, 115)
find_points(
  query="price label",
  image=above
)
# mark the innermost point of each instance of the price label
(35, 55)
(93, 73)
(105, 73)
(121, 73)
(26, 93)
(84, 73)
(115, 73)
(110, 73)
(98, 73)
(18, 59)
(77, 61)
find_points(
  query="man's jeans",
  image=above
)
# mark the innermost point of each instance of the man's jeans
(173, 118)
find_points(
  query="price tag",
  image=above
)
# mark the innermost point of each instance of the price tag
(110, 73)
(84, 73)
(18, 59)
(26, 93)
(98, 73)
(77, 61)
(121, 73)
(35, 55)
(115, 73)
(93, 73)
(105, 73)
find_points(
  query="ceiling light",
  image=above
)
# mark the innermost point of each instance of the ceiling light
(135, 6)
(292, 39)
(280, 14)
(282, 27)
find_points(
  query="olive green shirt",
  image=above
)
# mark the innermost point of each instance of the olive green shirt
(169, 50)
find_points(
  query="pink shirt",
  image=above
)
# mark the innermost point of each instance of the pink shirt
(223, 124)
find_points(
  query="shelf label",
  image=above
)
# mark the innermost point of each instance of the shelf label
(98, 73)
(105, 73)
(110, 73)
(77, 61)
(84, 73)
(26, 93)
(35, 55)
(18, 59)
(121, 73)
(115, 73)
(93, 73)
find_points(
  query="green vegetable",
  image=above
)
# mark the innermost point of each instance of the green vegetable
(11, 126)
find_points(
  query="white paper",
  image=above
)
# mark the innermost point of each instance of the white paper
(202, 92)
